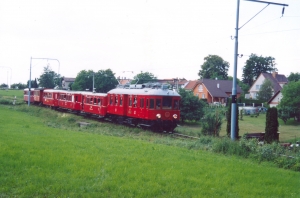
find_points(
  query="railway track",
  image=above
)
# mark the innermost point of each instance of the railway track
(185, 136)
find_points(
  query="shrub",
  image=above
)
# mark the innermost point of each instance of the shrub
(271, 125)
(212, 124)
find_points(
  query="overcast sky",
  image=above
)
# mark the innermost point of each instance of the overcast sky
(167, 38)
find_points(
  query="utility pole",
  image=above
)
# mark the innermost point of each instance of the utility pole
(30, 74)
(234, 82)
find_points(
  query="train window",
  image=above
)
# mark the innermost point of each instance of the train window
(151, 104)
(176, 104)
(99, 101)
(121, 101)
(95, 101)
(158, 103)
(116, 100)
(167, 103)
(147, 103)
(130, 102)
(76, 98)
(135, 102)
(142, 102)
(111, 100)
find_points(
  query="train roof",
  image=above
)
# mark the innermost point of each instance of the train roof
(93, 94)
(145, 91)
(74, 92)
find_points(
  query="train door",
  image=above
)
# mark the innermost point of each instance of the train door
(129, 106)
(142, 109)
(82, 102)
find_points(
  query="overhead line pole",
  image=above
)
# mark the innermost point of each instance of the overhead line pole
(7, 75)
(30, 74)
(233, 133)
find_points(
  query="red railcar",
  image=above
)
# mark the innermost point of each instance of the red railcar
(50, 97)
(154, 107)
(38, 95)
(26, 95)
(94, 103)
(71, 100)
(149, 106)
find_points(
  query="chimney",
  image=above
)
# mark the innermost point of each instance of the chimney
(274, 74)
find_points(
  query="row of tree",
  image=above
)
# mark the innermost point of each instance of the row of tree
(215, 67)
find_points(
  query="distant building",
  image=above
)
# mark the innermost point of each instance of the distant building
(275, 99)
(214, 91)
(67, 81)
(278, 81)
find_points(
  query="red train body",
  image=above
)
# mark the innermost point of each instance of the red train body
(154, 107)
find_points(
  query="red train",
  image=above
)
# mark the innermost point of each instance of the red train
(150, 106)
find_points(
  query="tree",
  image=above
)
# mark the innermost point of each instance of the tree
(143, 77)
(3, 85)
(256, 65)
(228, 115)
(191, 108)
(294, 77)
(266, 90)
(291, 98)
(18, 86)
(271, 125)
(214, 67)
(284, 113)
(104, 81)
(34, 83)
(49, 78)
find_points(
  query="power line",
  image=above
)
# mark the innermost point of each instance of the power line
(264, 23)
(270, 32)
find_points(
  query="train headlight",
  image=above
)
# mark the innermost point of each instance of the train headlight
(175, 116)
(158, 116)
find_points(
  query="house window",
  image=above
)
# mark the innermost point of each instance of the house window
(257, 87)
(203, 96)
(200, 89)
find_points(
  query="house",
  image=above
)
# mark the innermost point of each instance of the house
(174, 82)
(278, 81)
(214, 91)
(275, 99)
(67, 81)
(124, 81)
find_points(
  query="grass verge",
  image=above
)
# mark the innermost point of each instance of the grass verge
(51, 156)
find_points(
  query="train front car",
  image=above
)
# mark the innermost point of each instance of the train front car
(150, 106)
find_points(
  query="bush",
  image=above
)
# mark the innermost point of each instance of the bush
(271, 125)
(212, 124)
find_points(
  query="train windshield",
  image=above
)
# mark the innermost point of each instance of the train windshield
(176, 104)
(167, 103)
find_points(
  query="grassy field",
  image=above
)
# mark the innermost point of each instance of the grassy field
(288, 132)
(50, 156)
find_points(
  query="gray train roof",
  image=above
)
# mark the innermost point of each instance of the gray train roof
(74, 92)
(145, 91)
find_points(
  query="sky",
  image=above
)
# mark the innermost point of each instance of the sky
(169, 39)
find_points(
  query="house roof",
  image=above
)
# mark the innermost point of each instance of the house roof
(180, 81)
(225, 86)
(69, 79)
(219, 88)
(272, 98)
(191, 85)
(124, 81)
(276, 79)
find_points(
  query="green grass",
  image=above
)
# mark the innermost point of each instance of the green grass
(288, 132)
(7, 96)
(50, 156)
